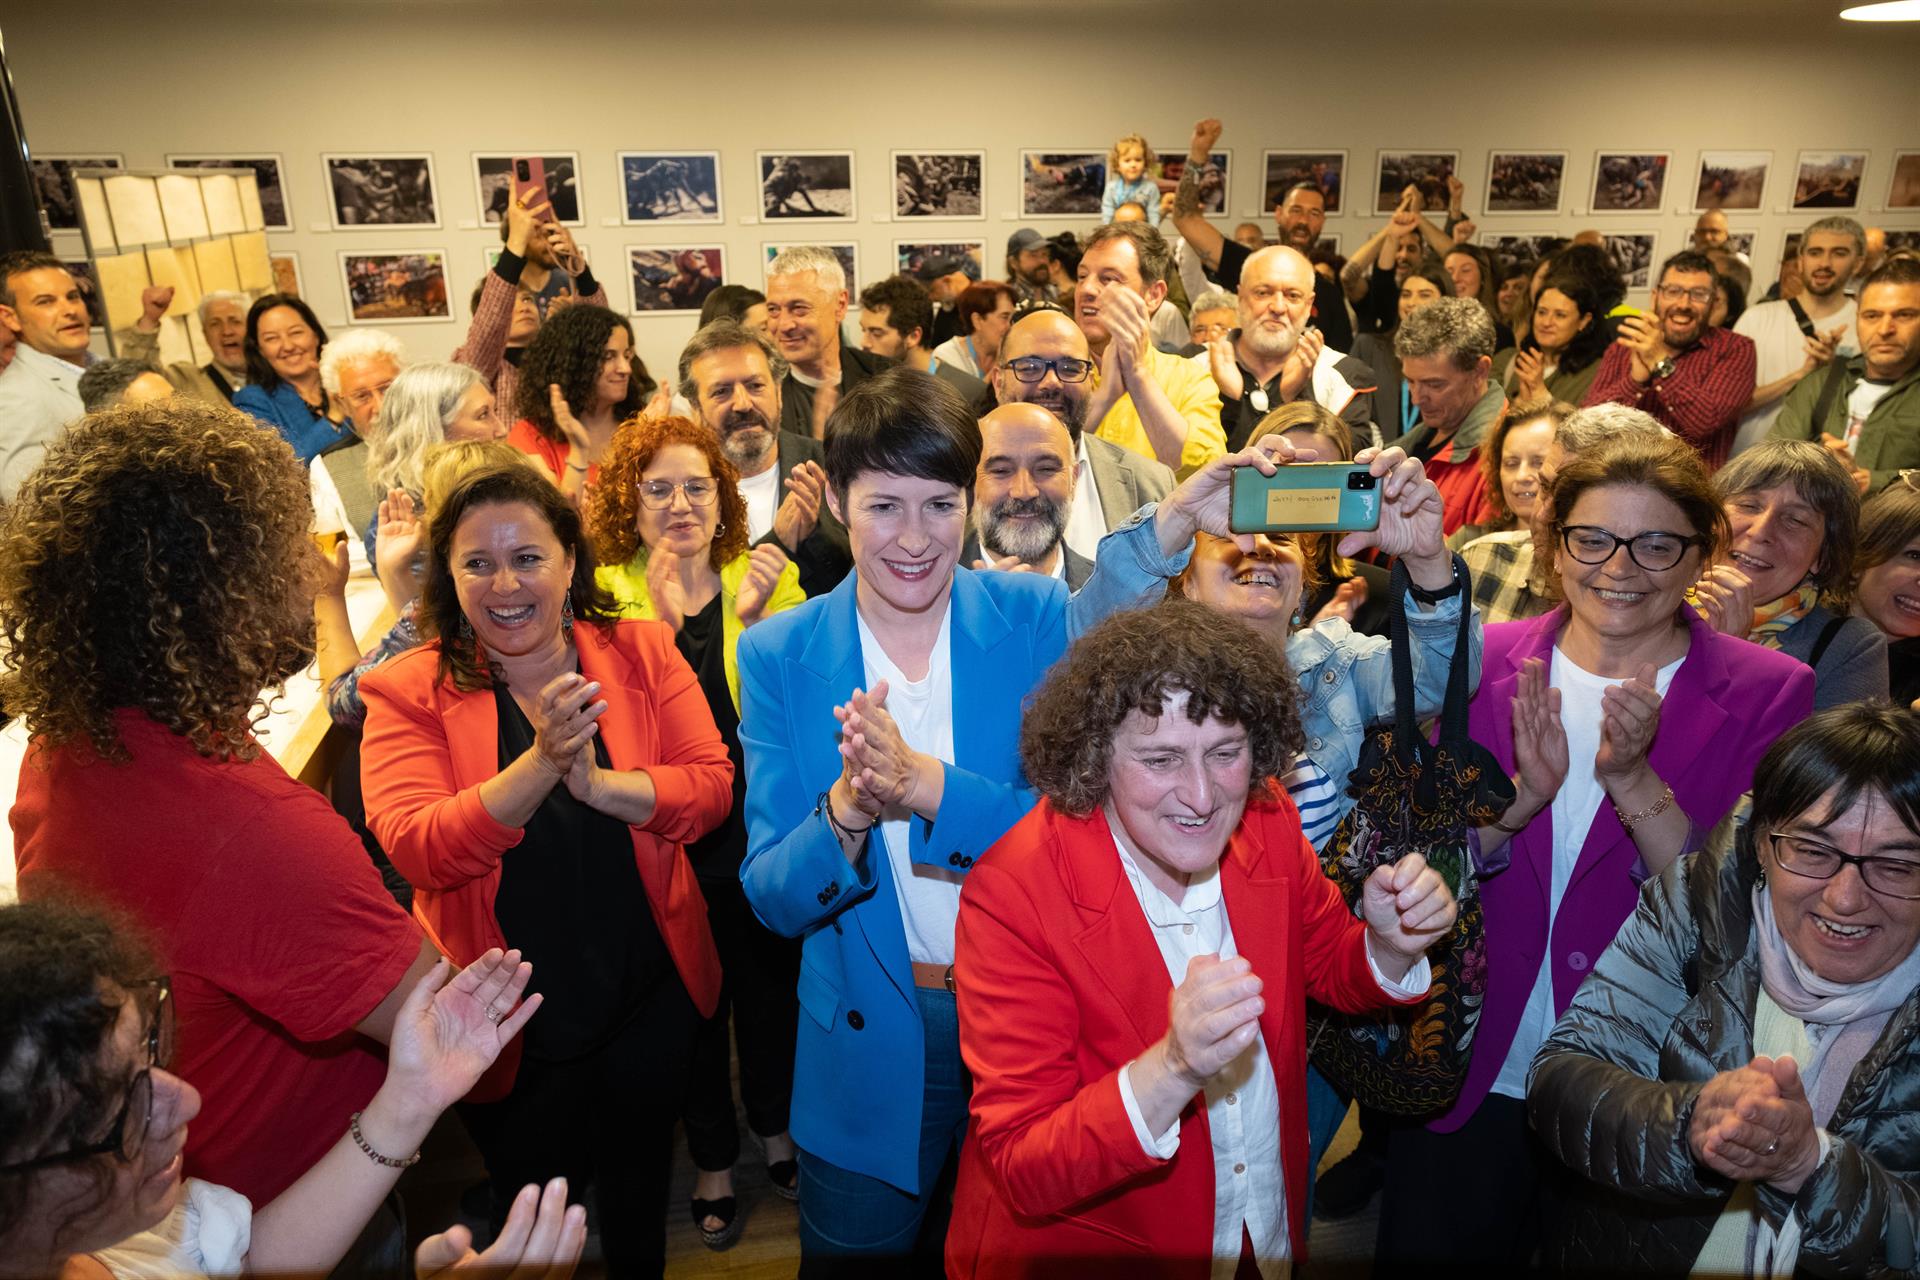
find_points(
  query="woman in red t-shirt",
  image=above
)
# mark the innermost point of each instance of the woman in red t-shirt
(576, 385)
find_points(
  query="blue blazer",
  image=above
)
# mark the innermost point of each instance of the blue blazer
(859, 1058)
(308, 432)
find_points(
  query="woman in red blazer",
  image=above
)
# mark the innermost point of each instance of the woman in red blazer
(1132, 962)
(535, 772)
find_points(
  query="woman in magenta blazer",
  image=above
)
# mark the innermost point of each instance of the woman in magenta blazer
(1631, 727)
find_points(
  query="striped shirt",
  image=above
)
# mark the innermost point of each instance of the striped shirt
(1315, 796)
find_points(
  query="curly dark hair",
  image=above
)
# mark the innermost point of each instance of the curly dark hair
(565, 352)
(60, 967)
(613, 510)
(1131, 662)
(157, 560)
(440, 614)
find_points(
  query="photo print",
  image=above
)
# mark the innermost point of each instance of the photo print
(806, 186)
(53, 185)
(1633, 254)
(910, 255)
(396, 288)
(1326, 169)
(493, 184)
(82, 272)
(381, 191)
(1427, 170)
(1629, 181)
(670, 186)
(1731, 180)
(1829, 179)
(673, 279)
(266, 171)
(1525, 181)
(1062, 183)
(939, 184)
(286, 273)
(1521, 246)
(1903, 192)
(1212, 178)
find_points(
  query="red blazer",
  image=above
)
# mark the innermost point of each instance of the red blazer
(429, 746)
(1061, 985)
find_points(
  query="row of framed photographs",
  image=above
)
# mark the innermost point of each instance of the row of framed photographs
(400, 190)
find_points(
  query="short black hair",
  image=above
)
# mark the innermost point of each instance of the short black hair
(259, 371)
(1857, 747)
(105, 380)
(1689, 261)
(907, 303)
(905, 423)
(1895, 271)
(20, 261)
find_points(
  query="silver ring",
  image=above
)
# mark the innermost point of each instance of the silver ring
(494, 1015)
(1773, 1146)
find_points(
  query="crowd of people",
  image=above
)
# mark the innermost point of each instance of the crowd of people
(886, 698)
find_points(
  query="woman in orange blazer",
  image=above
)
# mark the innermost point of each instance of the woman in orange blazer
(535, 772)
(1132, 962)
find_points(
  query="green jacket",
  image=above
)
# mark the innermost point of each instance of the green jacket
(1669, 1006)
(1890, 437)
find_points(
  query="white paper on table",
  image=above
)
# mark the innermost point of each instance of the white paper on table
(94, 216)
(214, 261)
(122, 277)
(220, 192)
(134, 203)
(252, 261)
(180, 203)
(250, 216)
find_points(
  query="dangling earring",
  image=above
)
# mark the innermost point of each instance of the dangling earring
(465, 629)
(566, 614)
(1296, 618)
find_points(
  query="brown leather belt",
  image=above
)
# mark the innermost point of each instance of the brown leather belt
(934, 977)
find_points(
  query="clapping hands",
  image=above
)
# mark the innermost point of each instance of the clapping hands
(876, 762)
(1754, 1124)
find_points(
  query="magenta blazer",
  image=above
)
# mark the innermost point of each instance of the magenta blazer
(1728, 701)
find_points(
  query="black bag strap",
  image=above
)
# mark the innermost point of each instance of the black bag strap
(1453, 715)
(1801, 318)
(1827, 633)
(1829, 388)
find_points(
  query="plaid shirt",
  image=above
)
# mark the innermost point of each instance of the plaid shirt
(1700, 401)
(1503, 583)
(485, 350)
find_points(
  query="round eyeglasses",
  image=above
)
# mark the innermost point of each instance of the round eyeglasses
(657, 495)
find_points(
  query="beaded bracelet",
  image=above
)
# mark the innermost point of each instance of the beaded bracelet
(353, 1128)
(846, 834)
(1658, 807)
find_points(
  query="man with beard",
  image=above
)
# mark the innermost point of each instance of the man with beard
(1694, 379)
(551, 264)
(1275, 356)
(1794, 340)
(1446, 356)
(1045, 361)
(1022, 494)
(1300, 215)
(726, 373)
(895, 315)
(806, 301)
(1029, 266)
(223, 322)
(506, 314)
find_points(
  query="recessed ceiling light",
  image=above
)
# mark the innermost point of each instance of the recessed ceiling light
(1885, 11)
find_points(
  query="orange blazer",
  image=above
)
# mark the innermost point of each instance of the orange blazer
(1061, 985)
(428, 746)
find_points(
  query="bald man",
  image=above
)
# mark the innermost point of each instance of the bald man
(1276, 356)
(1045, 360)
(1709, 231)
(1022, 495)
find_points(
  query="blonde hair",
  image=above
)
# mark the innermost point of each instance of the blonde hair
(447, 463)
(1131, 140)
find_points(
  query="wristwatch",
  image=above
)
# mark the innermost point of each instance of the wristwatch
(1664, 369)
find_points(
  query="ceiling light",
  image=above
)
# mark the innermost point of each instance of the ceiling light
(1885, 11)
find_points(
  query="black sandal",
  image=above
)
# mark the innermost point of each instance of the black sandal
(785, 1177)
(726, 1209)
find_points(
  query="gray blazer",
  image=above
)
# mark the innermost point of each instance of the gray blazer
(1126, 480)
(39, 394)
(825, 556)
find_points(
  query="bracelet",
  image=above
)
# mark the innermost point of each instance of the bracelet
(1425, 596)
(1498, 825)
(846, 834)
(353, 1128)
(1658, 807)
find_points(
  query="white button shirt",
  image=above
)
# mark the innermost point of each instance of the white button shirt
(1243, 1102)
(1086, 518)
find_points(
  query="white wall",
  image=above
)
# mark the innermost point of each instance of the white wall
(302, 77)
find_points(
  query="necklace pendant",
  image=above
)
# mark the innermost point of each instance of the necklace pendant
(1258, 399)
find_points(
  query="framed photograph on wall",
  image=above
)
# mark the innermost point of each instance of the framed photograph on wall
(805, 186)
(1634, 253)
(82, 272)
(53, 184)
(400, 286)
(1742, 242)
(1525, 181)
(910, 255)
(1731, 180)
(930, 185)
(1061, 184)
(493, 184)
(380, 191)
(669, 186)
(1521, 246)
(1903, 190)
(274, 210)
(1829, 179)
(286, 272)
(673, 279)
(1327, 244)
(1215, 178)
(1629, 181)
(1903, 240)
(1395, 171)
(849, 255)
(1281, 169)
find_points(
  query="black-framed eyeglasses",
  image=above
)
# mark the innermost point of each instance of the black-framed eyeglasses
(1066, 368)
(657, 495)
(1653, 551)
(126, 1138)
(1889, 877)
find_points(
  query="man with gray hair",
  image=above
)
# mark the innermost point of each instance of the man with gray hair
(806, 303)
(1446, 357)
(223, 323)
(358, 367)
(1795, 339)
(1506, 585)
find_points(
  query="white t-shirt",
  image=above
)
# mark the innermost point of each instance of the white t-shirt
(923, 709)
(1860, 403)
(762, 494)
(1086, 518)
(1778, 349)
(1574, 810)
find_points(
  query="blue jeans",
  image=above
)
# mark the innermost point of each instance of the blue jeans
(844, 1214)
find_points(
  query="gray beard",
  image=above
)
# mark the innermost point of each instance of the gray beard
(749, 457)
(1004, 538)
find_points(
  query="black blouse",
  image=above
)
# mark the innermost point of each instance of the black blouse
(702, 642)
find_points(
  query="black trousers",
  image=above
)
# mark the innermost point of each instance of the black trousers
(1478, 1197)
(604, 1119)
(761, 970)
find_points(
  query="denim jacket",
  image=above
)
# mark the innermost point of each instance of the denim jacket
(1347, 680)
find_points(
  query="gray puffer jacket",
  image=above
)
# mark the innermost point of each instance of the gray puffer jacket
(1669, 1006)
